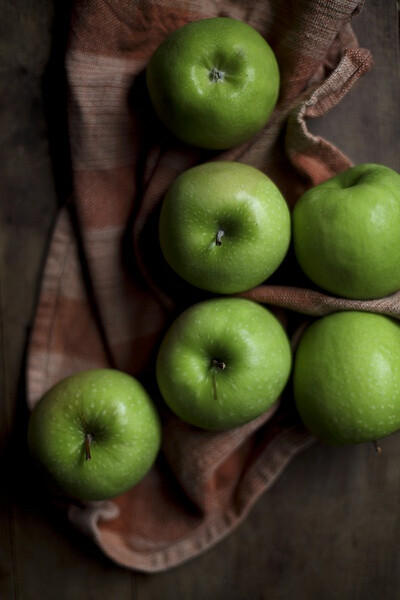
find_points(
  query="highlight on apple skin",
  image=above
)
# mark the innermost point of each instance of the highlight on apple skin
(96, 433)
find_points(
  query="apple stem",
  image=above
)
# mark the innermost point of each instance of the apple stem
(217, 364)
(214, 386)
(378, 448)
(218, 239)
(88, 440)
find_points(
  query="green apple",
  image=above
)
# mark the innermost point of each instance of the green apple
(214, 82)
(223, 362)
(224, 227)
(96, 433)
(346, 377)
(346, 232)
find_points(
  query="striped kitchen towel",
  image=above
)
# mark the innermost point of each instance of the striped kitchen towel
(106, 295)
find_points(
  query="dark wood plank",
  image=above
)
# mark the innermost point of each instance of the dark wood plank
(23, 159)
(329, 527)
(366, 124)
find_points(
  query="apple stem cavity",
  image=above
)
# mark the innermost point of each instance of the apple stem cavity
(378, 448)
(88, 441)
(216, 75)
(219, 236)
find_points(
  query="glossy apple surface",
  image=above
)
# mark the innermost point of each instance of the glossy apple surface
(96, 433)
(223, 362)
(346, 232)
(214, 82)
(346, 377)
(224, 227)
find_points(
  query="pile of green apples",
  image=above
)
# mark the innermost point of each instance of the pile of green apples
(225, 227)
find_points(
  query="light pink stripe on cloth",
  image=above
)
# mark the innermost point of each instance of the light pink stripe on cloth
(102, 130)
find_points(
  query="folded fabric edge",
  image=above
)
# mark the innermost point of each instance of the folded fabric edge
(40, 372)
(276, 457)
(317, 304)
(37, 360)
(311, 155)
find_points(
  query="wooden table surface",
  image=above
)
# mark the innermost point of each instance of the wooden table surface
(330, 526)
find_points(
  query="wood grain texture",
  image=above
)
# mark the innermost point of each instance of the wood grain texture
(329, 527)
(366, 124)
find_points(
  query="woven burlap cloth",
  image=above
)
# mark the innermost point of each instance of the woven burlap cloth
(106, 295)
